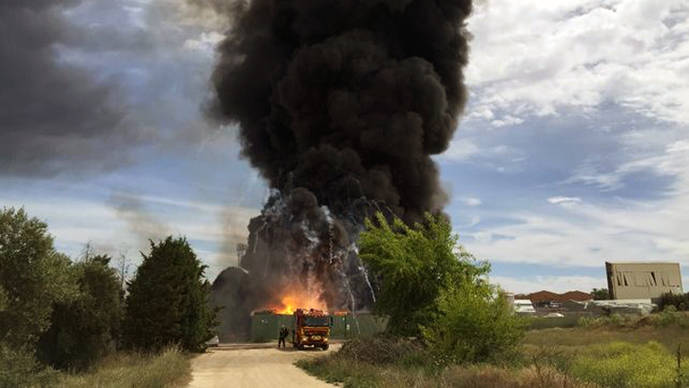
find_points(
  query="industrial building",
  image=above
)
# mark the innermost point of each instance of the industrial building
(638, 280)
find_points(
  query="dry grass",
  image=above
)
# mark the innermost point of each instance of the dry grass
(670, 336)
(358, 374)
(496, 377)
(171, 368)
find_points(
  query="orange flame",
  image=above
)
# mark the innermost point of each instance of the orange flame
(295, 300)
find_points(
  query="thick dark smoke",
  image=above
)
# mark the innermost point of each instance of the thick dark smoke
(346, 100)
(52, 115)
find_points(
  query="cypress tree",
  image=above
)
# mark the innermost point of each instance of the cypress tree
(168, 300)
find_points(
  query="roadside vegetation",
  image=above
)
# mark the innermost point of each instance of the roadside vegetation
(77, 323)
(449, 328)
(610, 351)
(169, 368)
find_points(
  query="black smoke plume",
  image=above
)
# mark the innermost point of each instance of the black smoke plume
(345, 100)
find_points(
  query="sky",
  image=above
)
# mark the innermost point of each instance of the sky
(572, 150)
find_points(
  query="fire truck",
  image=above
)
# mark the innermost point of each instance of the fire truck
(311, 328)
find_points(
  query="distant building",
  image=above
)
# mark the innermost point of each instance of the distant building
(547, 299)
(643, 280)
(523, 306)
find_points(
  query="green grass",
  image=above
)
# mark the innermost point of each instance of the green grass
(170, 368)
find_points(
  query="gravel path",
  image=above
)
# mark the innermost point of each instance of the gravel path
(254, 368)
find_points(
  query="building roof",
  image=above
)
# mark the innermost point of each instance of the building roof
(547, 296)
(627, 262)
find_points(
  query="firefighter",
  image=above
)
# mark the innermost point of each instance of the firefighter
(283, 334)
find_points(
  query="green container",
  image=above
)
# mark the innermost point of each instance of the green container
(366, 324)
(265, 326)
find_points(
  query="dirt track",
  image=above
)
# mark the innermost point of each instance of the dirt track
(253, 368)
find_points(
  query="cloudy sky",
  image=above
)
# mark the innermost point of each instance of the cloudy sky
(573, 149)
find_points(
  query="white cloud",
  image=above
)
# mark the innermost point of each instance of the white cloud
(536, 57)
(564, 200)
(557, 284)
(672, 160)
(588, 234)
(471, 201)
(460, 150)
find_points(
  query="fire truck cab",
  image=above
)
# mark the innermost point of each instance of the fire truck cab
(311, 328)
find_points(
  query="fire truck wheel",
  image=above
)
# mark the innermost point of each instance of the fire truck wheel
(325, 347)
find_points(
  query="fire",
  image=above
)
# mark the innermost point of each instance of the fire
(293, 301)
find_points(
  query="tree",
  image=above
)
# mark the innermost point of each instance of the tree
(413, 265)
(600, 294)
(168, 300)
(3, 299)
(123, 265)
(430, 286)
(87, 327)
(33, 276)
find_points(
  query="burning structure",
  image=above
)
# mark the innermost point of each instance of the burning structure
(340, 106)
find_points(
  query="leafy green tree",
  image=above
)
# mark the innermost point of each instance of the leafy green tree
(168, 300)
(33, 276)
(600, 294)
(87, 327)
(413, 265)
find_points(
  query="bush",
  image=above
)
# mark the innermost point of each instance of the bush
(475, 324)
(380, 350)
(679, 301)
(19, 368)
(168, 300)
(87, 327)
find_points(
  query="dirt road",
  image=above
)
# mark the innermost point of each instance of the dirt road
(253, 368)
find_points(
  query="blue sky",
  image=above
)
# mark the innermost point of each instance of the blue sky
(572, 150)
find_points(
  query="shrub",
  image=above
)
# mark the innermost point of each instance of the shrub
(475, 324)
(380, 350)
(87, 327)
(679, 301)
(168, 300)
(19, 368)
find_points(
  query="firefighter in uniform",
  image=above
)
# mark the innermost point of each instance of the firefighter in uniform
(283, 334)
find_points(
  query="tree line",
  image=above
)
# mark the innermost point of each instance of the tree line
(67, 314)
